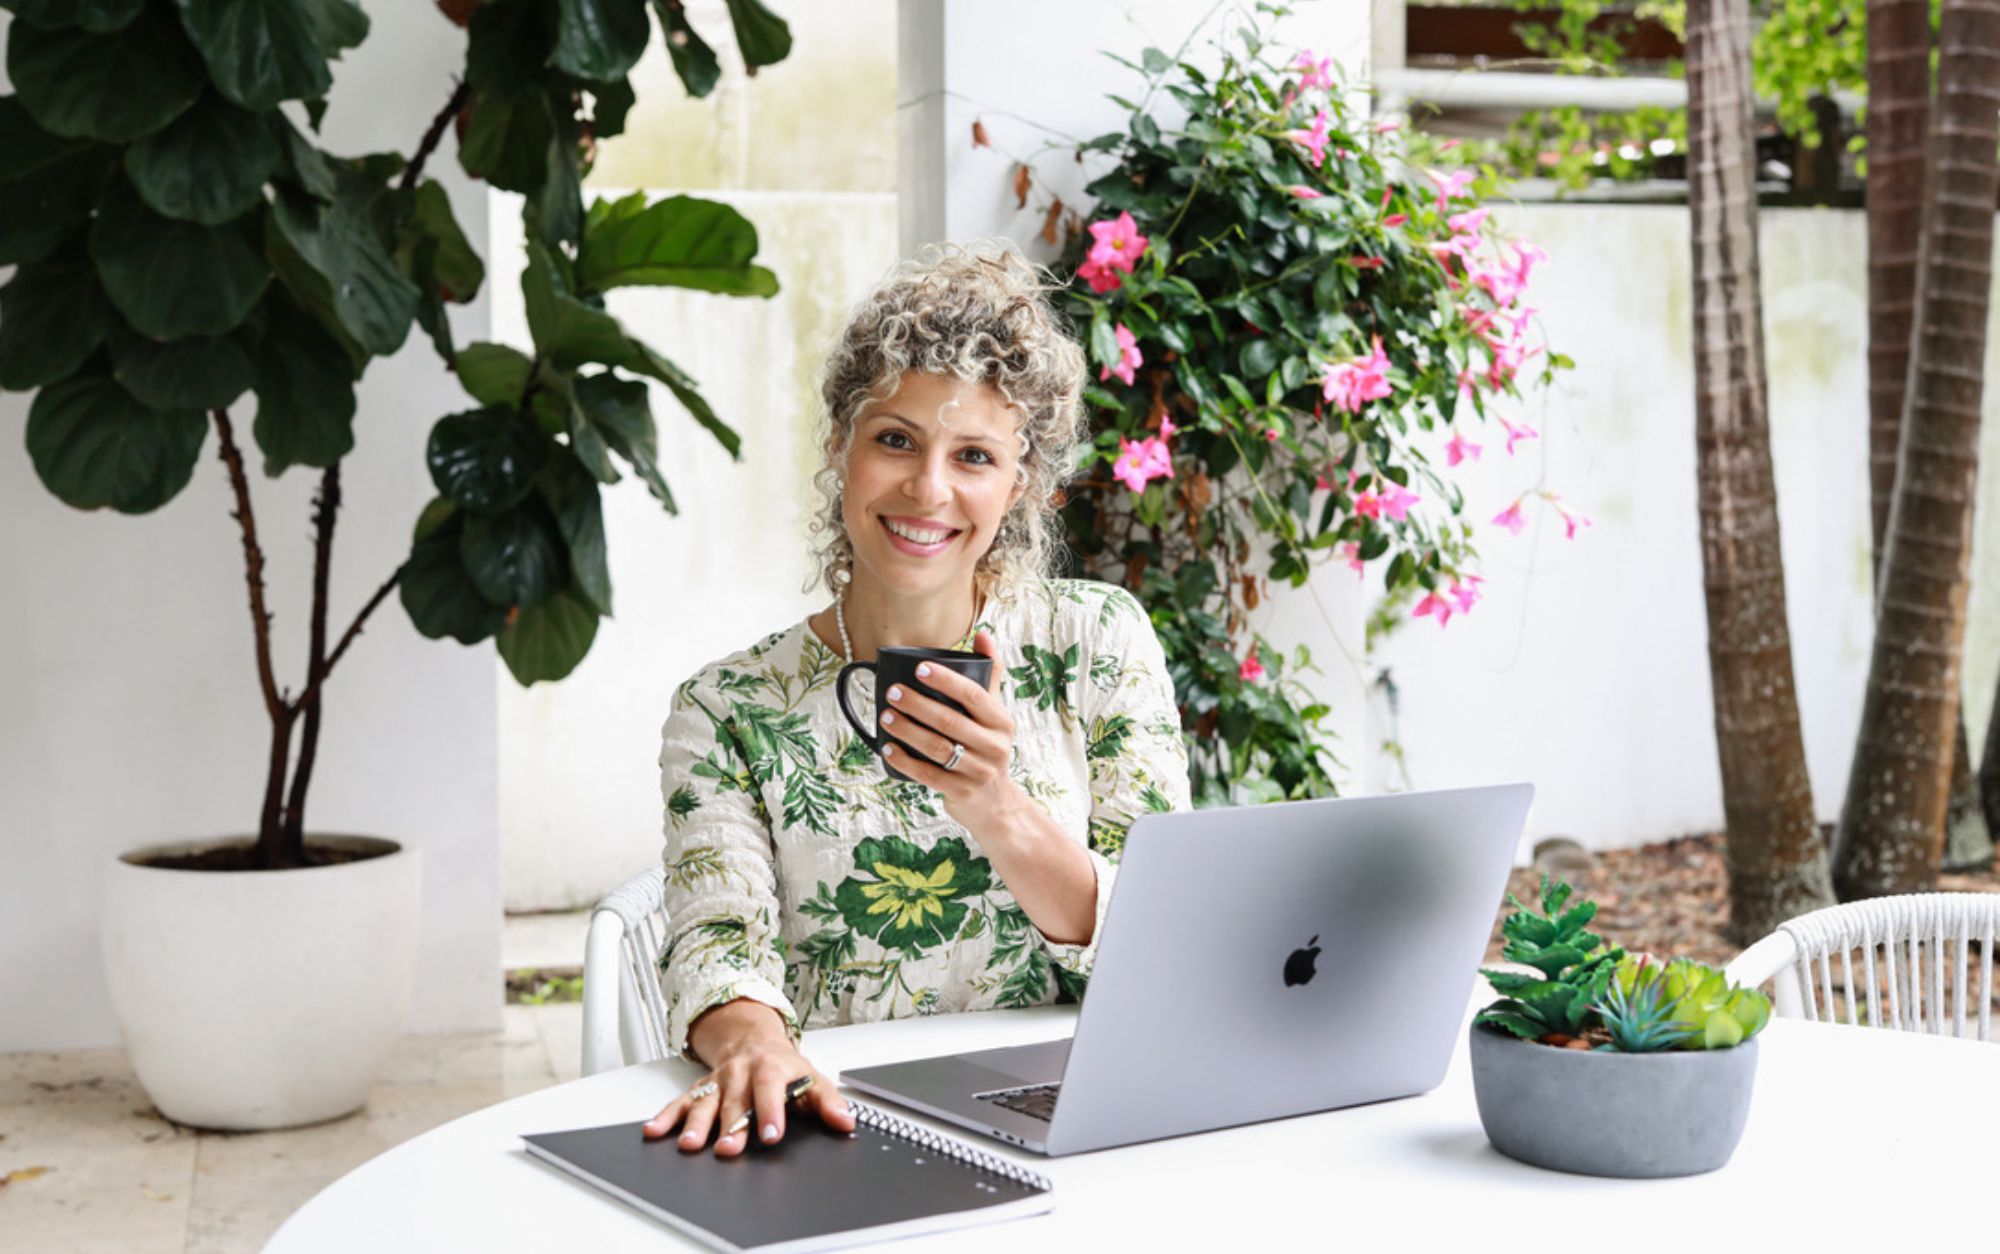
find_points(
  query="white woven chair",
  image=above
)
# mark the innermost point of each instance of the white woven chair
(624, 1016)
(1916, 938)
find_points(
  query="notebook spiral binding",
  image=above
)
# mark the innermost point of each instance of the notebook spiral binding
(946, 1147)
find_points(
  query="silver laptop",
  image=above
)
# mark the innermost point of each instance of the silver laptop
(1256, 963)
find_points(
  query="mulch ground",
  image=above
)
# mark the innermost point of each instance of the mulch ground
(1671, 898)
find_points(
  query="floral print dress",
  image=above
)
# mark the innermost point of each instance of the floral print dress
(798, 874)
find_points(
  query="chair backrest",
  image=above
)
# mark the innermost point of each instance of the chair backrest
(624, 1016)
(1901, 948)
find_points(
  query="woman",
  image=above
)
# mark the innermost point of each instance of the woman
(804, 886)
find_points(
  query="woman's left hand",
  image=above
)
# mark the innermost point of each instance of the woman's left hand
(978, 792)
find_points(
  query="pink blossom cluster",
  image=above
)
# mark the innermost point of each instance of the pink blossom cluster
(1143, 460)
(1115, 248)
(1459, 598)
(1314, 140)
(1513, 520)
(1352, 384)
(1252, 670)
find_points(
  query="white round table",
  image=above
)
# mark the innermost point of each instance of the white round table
(1856, 1137)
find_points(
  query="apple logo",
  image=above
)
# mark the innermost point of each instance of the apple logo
(1299, 967)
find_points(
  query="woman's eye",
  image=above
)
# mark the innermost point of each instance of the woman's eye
(893, 439)
(985, 458)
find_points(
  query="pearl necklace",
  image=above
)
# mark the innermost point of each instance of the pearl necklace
(847, 645)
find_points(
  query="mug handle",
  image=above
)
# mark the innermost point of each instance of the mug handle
(873, 741)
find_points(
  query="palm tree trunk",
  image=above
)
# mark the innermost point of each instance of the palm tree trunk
(1892, 825)
(1968, 839)
(1777, 864)
(1989, 770)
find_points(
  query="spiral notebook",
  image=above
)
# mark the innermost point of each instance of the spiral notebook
(817, 1189)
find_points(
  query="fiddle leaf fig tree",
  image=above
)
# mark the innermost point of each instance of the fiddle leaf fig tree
(185, 251)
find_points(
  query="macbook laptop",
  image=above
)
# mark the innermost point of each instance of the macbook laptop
(1256, 963)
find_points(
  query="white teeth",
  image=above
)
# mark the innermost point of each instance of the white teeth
(913, 535)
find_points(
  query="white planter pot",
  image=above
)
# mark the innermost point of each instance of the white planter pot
(261, 999)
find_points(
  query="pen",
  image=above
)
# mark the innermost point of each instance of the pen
(792, 1091)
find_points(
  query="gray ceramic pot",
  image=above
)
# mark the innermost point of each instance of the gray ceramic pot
(1677, 1113)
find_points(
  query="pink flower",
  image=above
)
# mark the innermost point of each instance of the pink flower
(1303, 192)
(1387, 193)
(1314, 140)
(1397, 499)
(1469, 221)
(1167, 427)
(1502, 284)
(1367, 505)
(1352, 552)
(1117, 244)
(1448, 145)
(1459, 448)
(1141, 461)
(1384, 128)
(1102, 279)
(1252, 670)
(1395, 219)
(1352, 384)
(1366, 263)
(1129, 359)
(1451, 186)
(1511, 518)
(1467, 593)
(1526, 257)
(1271, 435)
(1433, 604)
(1516, 433)
(1570, 521)
(1318, 73)
(1465, 381)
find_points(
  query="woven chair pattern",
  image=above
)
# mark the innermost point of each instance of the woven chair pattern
(1915, 957)
(641, 1011)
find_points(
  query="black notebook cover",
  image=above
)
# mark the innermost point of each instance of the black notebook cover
(816, 1189)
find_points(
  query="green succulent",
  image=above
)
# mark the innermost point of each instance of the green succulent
(1721, 1014)
(1637, 1012)
(1573, 966)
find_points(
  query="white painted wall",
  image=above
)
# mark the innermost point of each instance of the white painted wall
(129, 707)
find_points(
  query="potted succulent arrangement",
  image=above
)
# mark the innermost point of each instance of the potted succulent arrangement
(1605, 1063)
(183, 247)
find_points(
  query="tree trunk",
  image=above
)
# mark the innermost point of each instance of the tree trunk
(1892, 825)
(1899, 105)
(1968, 839)
(1777, 864)
(1989, 770)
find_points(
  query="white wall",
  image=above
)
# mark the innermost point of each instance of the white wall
(806, 151)
(129, 706)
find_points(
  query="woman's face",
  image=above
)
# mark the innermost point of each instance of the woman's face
(932, 471)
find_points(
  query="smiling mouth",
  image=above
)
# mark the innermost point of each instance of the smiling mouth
(922, 541)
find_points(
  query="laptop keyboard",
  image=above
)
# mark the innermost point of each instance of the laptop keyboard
(1037, 1101)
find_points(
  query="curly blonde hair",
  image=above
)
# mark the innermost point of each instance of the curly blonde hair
(980, 313)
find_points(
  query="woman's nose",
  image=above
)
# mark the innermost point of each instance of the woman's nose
(927, 484)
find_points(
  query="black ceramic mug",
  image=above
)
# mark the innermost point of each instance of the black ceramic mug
(897, 665)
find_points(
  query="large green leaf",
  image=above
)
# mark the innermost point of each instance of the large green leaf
(202, 372)
(507, 140)
(94, 446)
(337, 24)
(573, 497)
(508, 45)
(336, 260)
(642, 359)
(171, 278)
(514, 557)
(558, 204)
(589, 448)
(693, 59)
(486, 459)
(305, 391)
(600, 39)
(117, 87)
(438, 594)
(493, 374)
(259, 52)
(761, 34)
(679, 242)
(210, 166)
(617, 412)
(610, 103)
(301, 164)
(39, 213)
(53, 315)
(547, 640)
(92, 15)
(452, 267)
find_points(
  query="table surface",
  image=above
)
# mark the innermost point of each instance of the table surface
(1856, 1136)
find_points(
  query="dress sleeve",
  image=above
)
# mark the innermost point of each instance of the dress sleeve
(1132, 737)
(721, 893)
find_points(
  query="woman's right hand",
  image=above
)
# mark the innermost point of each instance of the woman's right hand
(753, 1061)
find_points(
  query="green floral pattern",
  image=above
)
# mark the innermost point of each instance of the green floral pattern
(799, 875)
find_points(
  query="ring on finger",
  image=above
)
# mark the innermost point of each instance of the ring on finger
(957, 752)
(707, 1088)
